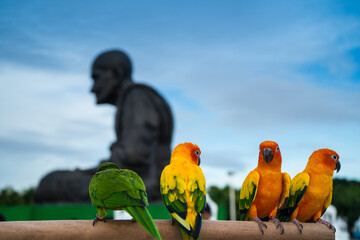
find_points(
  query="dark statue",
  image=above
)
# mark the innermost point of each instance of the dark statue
(143, 124)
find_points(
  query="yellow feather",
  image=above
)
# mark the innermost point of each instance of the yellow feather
(179, 180)
(181, 221)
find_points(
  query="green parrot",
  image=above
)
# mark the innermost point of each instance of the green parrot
(121, 189)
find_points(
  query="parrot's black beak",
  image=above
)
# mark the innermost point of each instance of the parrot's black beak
(268, 155)
(199, 161)
(338, 166)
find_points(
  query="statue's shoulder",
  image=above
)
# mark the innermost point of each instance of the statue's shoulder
(136, 87)
(143, 89)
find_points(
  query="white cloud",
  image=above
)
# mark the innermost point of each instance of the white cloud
(46, 125)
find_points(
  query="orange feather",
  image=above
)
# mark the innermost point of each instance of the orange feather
(270, 183)
(318, 194)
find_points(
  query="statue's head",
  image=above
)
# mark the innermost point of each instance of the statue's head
(109, 71)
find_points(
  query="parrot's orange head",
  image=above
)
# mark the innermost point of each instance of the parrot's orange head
(269, 153)
(189, 151)
(327, 158)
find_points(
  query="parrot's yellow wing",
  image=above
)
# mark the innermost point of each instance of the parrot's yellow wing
(173, 187)
(297, 190)
(248, 192)
(285, 190)
(327, 202)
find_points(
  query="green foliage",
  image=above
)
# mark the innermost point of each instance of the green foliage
(346, 199)
(221, 197)
(10, 197)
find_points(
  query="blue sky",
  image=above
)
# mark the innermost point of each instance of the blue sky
(235, 74)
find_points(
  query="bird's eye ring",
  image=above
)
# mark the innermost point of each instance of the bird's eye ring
(334, 157)
(277, 148)
(197, 152)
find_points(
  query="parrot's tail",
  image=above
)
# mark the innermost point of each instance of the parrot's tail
(186, 236)
(142, 216)
(282, 215)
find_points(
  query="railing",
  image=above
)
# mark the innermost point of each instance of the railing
(77, 212)
(125, 229)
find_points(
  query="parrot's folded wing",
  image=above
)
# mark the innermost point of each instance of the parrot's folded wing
(327, 202)
(248, 192)
(134, 179)
(112, 189)
(297, 190)
(172, 188)
(173, 191)
(122, 199)
(285, 190)
(198, 195)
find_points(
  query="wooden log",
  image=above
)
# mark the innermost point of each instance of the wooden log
(125, 229)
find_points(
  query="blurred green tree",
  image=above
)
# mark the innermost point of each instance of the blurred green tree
(346, 199)
(221, 197)
(10, 197)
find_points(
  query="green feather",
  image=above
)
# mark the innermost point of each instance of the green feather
(245, 203)
(185, 235)
(121, 189)
(143, 217)
(298, 188)
(178, 210)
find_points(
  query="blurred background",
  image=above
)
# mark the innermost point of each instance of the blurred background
(235, 74)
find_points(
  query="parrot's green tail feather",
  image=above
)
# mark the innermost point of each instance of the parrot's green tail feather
(143, 217)
(185, 235)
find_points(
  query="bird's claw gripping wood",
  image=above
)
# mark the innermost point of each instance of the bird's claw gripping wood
(260, 223)
(98, 219)
(133, 220)
(172, 222)
(298, 224)
(329, 225)
(277, 224)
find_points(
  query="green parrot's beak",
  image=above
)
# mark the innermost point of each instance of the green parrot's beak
(338, 166)
(268, 155)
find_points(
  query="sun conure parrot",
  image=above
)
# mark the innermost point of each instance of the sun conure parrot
(121, 189)
(265, 188)
(311, 190)
(182, 186)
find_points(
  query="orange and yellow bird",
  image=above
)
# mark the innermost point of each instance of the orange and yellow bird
(265, 188)
(182, 186)
(311, 190)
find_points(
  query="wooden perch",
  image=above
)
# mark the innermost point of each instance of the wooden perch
(125, 229)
